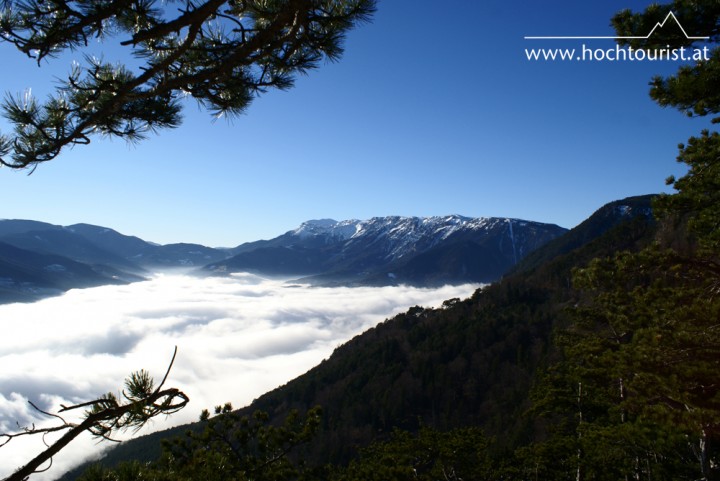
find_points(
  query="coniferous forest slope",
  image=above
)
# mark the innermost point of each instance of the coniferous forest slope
(472, 362)
(491, 369)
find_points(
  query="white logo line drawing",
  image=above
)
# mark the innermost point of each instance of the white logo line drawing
(657, 25)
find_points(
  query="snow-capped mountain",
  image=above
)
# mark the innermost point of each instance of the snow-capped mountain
(328, 228)
(394, 249)
(38, 259)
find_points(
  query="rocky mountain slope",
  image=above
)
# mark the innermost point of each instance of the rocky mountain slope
(390, 250)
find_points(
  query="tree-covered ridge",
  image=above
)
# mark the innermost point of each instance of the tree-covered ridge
(471, 363)
(609, 377)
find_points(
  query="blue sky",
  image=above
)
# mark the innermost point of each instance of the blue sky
(431, 111)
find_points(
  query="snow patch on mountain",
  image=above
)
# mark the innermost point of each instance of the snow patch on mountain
(629, 210)
(399, 232)
(396, 236)
(403, 234)
(327, 227)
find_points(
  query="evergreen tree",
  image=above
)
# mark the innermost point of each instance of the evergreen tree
(428, 455)
(694, 88)
(645, 341)
(229, 447)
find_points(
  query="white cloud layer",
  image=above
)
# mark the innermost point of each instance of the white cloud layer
(237, 337)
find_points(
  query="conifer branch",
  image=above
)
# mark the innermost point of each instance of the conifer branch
(222, 53)
(105, 416)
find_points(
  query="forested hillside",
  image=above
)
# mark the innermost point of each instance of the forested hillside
(473, 363)
(598, 363)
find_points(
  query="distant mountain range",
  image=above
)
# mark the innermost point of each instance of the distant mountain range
(38, 259)
(392, 250)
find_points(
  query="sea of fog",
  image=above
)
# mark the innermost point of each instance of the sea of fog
(237, 338)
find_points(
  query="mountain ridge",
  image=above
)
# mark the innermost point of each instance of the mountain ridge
(380, 249)
(422, 251)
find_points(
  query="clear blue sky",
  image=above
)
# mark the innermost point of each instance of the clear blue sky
(434, 109)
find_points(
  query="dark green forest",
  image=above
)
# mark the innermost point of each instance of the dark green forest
(596, 358)
(521, 381)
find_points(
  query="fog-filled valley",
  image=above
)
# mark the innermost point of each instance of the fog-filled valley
(237, 338)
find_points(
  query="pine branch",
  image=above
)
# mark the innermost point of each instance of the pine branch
(106, 415)
(224, 71)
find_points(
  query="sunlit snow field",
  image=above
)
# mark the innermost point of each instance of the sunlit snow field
(237, 338)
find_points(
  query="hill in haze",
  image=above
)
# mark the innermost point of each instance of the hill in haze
(38, 259)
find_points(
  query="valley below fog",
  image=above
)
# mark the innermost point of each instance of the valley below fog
(237, 338)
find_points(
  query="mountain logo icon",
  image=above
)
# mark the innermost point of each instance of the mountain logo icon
(659, 25)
